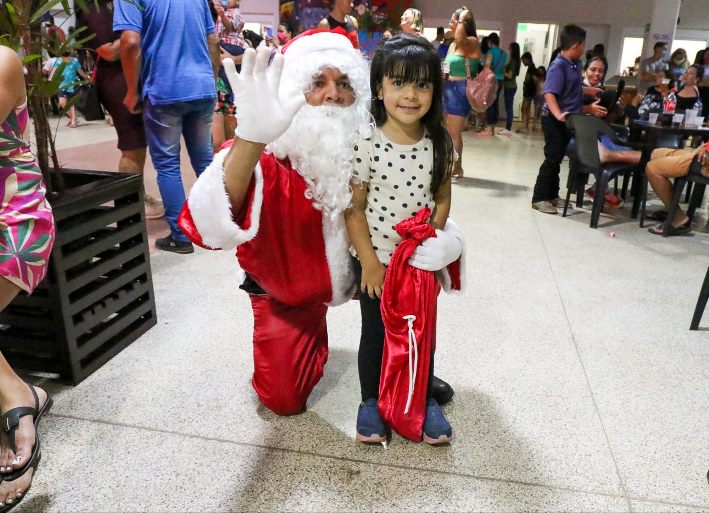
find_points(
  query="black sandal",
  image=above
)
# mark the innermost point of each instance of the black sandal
(9, 422)
(684, 229)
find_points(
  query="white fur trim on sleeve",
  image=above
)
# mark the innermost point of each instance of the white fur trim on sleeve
(211, 209)
(443, 275)
(339, 262)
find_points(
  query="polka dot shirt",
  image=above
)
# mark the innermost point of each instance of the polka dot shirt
(398, 180)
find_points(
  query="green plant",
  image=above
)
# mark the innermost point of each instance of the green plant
(21, 29)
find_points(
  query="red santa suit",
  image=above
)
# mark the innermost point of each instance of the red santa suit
(297, 255)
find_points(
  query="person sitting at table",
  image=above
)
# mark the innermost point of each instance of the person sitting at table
(594, 72)
(687, 96)
(666, 163)
(653, 99)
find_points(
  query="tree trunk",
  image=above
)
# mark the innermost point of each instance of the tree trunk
(38, 105)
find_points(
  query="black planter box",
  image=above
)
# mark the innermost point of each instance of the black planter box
(98, 295)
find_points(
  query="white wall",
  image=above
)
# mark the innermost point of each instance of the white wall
(260, 11)
(619, 18)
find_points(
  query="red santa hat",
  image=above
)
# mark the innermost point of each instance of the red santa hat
(327, 39)
(316, 49)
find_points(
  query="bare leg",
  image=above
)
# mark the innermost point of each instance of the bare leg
(526, 112)
(15, 393)
(132, 161)
(72, 116)
(663, 188)
(607, 155)
(455, 125)
(62, 104)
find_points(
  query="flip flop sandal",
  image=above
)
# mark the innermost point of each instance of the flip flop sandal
(35, 463)
(9, 422)
(684, 229)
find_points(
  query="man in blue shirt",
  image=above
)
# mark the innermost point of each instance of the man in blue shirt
(170, 57)
(563, 95)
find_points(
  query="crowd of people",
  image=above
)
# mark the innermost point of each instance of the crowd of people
(336, 163)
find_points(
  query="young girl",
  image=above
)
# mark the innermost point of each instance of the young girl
(405, 166)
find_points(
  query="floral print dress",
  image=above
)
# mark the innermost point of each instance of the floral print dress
(26, 242)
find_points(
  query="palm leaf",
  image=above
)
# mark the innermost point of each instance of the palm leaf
(24, 230)
(27, 185)
(40, 244)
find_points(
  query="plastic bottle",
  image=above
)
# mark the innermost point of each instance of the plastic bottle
(670, 104)
(699, 106)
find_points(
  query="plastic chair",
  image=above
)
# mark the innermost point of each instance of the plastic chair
(700, 183)
(701, 303)
(585, 160)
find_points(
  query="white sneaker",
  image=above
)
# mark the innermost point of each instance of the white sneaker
(504, 131)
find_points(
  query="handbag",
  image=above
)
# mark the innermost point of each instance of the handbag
(88, 102)
(481, 91)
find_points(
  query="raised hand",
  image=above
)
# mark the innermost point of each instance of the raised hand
(262, 116)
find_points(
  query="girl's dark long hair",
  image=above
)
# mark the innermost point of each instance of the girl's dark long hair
(514, 56)
(412, 58)
(530, 59)
(484, 46)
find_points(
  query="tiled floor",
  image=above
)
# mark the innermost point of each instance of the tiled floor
(578, 384)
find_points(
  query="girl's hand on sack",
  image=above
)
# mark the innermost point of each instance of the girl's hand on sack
(373, 280)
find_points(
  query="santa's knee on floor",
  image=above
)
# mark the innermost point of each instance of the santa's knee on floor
(283, 402)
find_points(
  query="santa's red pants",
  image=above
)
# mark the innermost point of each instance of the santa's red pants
(290, 351)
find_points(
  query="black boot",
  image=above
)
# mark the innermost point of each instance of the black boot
(442, 391)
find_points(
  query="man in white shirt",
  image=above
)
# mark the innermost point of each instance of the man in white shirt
(652, 69)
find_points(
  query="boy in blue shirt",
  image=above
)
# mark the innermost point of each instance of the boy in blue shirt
(563, 95)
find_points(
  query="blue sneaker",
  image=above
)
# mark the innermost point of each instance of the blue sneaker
(370, 428)
(436, 429)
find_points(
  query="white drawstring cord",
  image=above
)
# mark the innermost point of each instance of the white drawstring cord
(412, 368)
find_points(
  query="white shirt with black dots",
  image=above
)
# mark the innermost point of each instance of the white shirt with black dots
(398, 185)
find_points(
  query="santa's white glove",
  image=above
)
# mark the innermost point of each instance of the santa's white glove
(437, 252)
(261, 115)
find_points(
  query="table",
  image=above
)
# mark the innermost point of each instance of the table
(655, 134)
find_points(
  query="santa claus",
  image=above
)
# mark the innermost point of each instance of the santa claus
(278, 195)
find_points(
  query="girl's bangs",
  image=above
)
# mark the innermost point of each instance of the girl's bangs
(408, 66)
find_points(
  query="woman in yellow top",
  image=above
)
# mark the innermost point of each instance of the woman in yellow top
(455, 102)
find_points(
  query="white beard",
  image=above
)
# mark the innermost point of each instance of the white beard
(320, 145)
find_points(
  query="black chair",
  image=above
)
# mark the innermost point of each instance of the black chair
(700, 183)
(585, 160)
(701, 303)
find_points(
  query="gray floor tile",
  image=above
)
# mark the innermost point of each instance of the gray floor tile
(546, 393)
(663, 507)
(124, 469)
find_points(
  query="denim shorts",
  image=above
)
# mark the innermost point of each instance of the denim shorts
(455, 101)
(608, 143)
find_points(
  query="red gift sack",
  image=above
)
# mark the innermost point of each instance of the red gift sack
(408, 306)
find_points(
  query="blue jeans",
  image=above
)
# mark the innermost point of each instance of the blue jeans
(509, 107)
(492, 115)
(164, 124)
